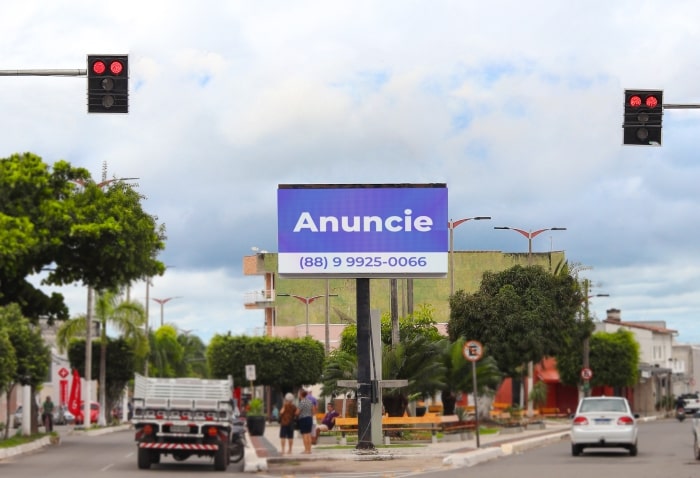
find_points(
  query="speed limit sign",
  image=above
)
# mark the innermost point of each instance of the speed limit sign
(586, 373)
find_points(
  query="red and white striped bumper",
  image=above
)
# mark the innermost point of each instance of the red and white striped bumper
(179, 446)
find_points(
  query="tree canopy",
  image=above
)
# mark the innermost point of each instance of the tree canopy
(420, 323)
(57, 219)
(521, 314)
(281, 362)
(613, 357)
(22, 351)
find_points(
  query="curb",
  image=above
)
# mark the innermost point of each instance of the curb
(26, 448)
(252, 463)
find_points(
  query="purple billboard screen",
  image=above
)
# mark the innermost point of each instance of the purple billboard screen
(363, 231)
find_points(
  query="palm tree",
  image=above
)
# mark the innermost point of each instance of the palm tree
(127, 317)
(458, 375)
(418, 360)
(167, 355)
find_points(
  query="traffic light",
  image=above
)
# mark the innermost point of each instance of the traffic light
(108, 83)
(643, 116)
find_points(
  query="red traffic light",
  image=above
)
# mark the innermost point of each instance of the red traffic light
(99, 67)
(108, 83)
(116, 67)
(650, 101)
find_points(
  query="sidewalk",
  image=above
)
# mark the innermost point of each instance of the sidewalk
(263, 453)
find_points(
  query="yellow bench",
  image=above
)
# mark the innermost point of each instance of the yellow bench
(428, 422)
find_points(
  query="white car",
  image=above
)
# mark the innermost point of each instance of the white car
(604, 422)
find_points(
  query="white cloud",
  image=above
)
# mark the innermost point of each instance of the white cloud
(517, 106)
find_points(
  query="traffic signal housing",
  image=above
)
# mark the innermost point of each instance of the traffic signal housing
(108, 83)
(643, 117)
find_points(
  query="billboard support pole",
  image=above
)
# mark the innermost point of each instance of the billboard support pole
(364, 385)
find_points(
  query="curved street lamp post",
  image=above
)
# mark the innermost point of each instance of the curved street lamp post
(162, 302)
(307, 301)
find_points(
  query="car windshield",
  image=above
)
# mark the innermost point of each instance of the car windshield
(603, 405)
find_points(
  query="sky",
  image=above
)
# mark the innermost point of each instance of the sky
(516, 106)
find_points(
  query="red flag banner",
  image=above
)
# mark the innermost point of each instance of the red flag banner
(74, 398)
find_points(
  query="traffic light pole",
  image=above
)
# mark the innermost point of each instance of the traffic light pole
(43, 72)
(681, 106)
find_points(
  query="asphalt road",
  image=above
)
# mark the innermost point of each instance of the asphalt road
(665, 450)
(106, 456)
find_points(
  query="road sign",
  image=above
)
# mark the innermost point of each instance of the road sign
(586, 373)
(473, 350)
(250, 373)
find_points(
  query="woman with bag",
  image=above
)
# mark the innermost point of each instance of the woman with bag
(305, 414)
(288, 415)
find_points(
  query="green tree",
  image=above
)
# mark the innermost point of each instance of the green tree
(127, 317)
(280, 362)
(111, 242)
(8, 367)
(33, 357)
(167, 353)
(195, 359)
(614, 359)
(458, 374)
(418, 360)
(422, 323)
(34, 217)
(521, 314)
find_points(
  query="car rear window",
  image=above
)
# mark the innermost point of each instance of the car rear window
(603, 405)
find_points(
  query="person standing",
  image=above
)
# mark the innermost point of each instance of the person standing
(287, 415)
(305, 415)
(47, 414)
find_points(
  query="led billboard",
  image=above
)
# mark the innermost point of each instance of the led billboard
(375, 230)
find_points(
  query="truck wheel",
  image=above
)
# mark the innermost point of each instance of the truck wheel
(144, 459)
(221, 458)
(696, 447)
(155, 457)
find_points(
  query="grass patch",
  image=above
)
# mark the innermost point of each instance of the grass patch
(21, 439)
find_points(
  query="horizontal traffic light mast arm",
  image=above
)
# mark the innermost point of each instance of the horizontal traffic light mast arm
(667, 106)
(43, 72)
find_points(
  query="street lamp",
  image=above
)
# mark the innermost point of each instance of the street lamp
(531, 235)
(307, 301)
(451, 225)
(162, 302)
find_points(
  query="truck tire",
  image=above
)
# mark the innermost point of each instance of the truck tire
(144, 459)
(221, 457)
